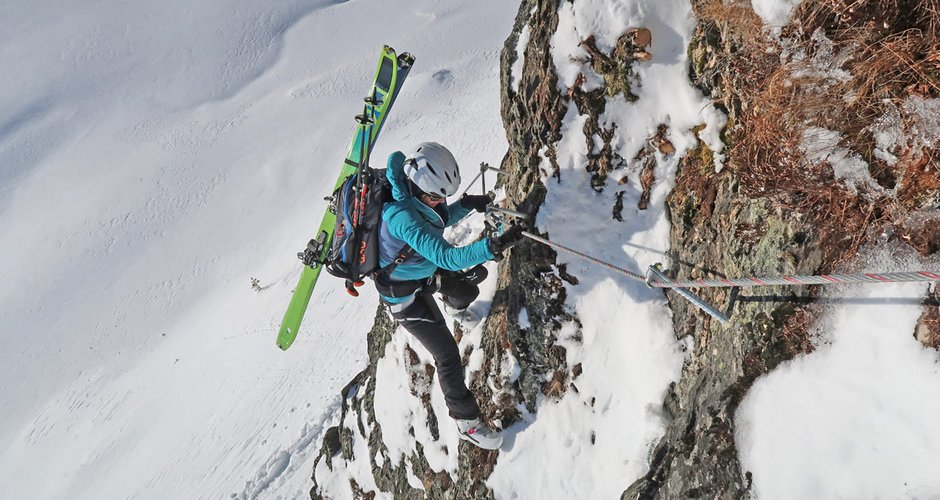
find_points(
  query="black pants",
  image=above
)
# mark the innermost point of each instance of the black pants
(424, 320)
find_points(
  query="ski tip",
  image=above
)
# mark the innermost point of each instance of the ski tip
(285, 339)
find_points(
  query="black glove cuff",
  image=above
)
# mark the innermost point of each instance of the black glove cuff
(494, 246)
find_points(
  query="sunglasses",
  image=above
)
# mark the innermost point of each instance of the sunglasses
(434, 197)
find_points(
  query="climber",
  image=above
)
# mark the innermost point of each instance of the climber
(417, 262)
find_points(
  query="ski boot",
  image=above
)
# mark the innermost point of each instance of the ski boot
(478, 433)
(467, 319)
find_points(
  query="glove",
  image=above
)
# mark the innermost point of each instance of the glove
(509, 238)
(476, 202)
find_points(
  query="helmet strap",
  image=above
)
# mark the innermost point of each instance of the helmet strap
(413, 189)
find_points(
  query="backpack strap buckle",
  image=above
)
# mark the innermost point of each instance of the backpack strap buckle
(404, 254)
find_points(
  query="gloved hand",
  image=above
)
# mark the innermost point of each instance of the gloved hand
(509, 238)
(476, 202)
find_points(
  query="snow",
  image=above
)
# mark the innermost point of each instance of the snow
(857, 417)
(824, 63)
(155, 158)
(822, 145)
(924, 116)
(715, 122)
(337, 481)
(925, 113)
(523, 318)
(519, 63)
(665, 96)
(594, 442)
(888, 134)
(775, 13)
(395, 407)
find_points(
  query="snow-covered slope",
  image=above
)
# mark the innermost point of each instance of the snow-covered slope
(153, 159)
(156, 158)
(855, 419)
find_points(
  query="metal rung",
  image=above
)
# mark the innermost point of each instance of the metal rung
(506, 211)
(655, 272)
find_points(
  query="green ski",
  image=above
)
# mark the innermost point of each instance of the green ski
(389, 77)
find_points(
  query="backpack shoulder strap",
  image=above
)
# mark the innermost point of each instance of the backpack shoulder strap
(402, 255)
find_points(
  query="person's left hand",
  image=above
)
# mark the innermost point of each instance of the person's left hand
(476, 202)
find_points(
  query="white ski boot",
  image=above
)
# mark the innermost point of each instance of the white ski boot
(466, 317)
(478, 433)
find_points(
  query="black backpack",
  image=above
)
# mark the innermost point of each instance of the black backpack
(354, 253)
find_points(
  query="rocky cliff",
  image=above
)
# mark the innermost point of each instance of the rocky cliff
(766, 214)
(763, 213)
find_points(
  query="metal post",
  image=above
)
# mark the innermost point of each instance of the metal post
(506, 211)
(655, 272)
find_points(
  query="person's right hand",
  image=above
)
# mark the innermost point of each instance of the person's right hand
(477, 202)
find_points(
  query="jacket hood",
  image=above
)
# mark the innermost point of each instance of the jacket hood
(395, 173)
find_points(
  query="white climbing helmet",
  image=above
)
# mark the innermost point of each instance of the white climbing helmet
(433, 169)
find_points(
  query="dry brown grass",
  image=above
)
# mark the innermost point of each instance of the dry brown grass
(888, 51)
(907, 63)
(745, 24)
(883, 74)
(796, 332)
(557, 386)
(928, 327)
(921, 178)
(892, 50)
(876, 15)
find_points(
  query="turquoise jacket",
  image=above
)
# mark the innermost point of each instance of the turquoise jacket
(408, 220)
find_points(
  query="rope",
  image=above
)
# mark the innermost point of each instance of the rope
(826, 279)
(656, 279)
(584, 256)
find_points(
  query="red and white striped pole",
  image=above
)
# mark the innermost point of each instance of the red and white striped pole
(823, 279)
